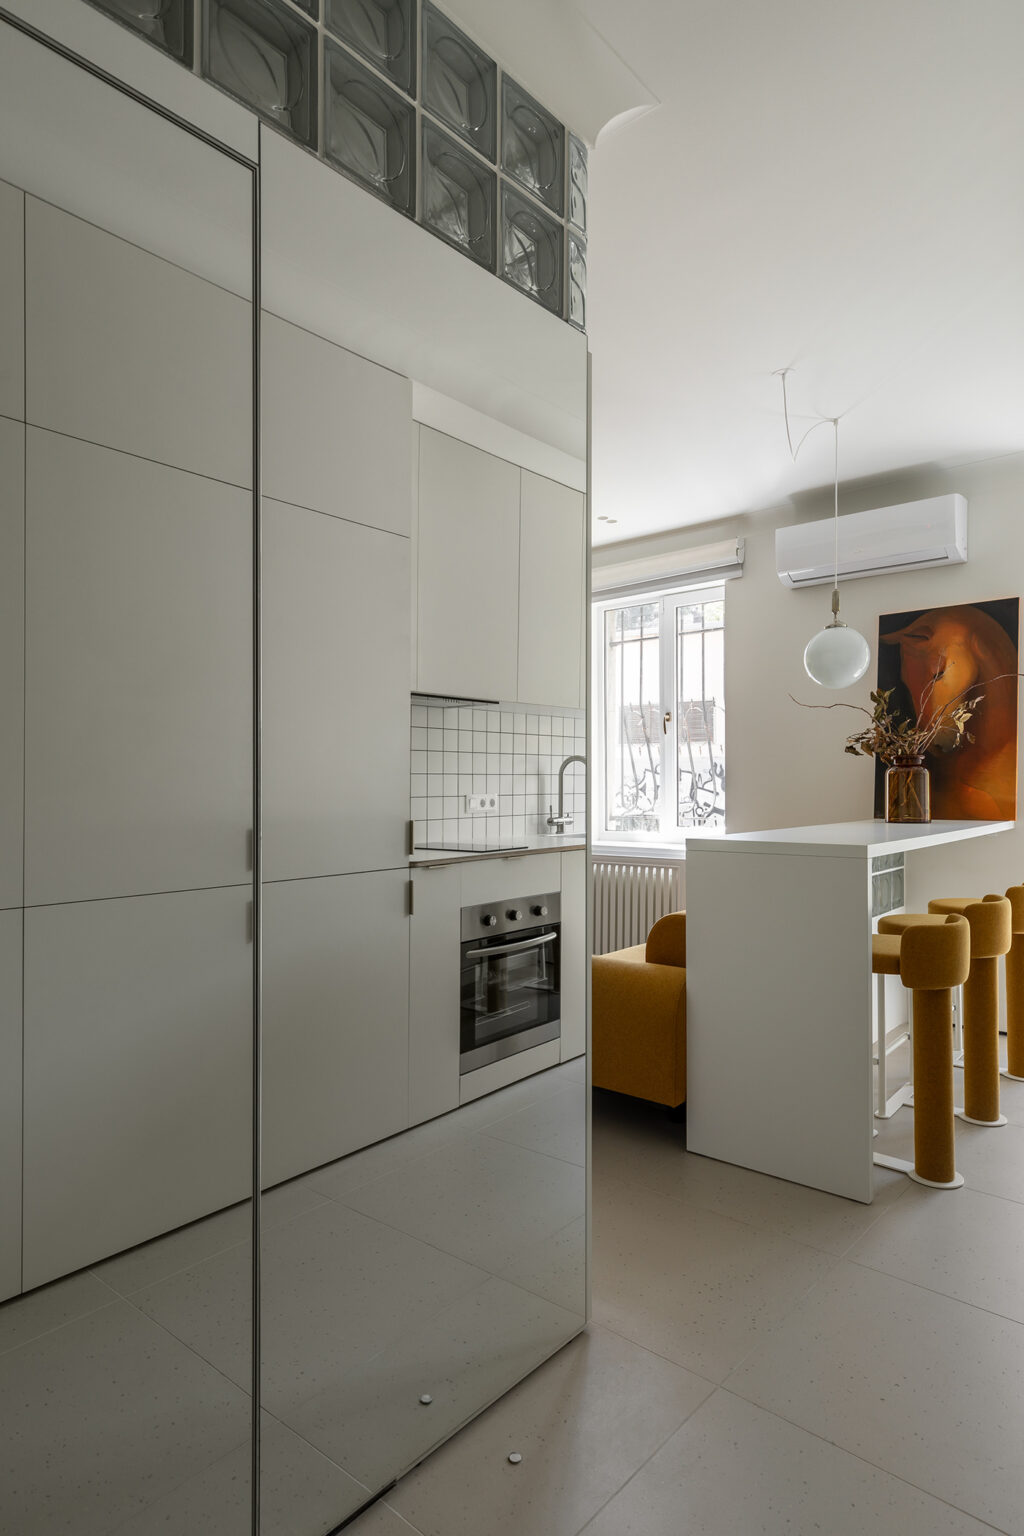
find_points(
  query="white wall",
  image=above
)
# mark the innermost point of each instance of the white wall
(786, 766)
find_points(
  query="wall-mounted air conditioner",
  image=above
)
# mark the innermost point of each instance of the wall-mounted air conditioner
(910, 537)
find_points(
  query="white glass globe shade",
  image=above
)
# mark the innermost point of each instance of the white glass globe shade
(837, 656)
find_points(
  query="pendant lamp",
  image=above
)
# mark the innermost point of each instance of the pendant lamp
(836, 656)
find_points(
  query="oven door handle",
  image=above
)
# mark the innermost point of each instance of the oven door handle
(511, 949)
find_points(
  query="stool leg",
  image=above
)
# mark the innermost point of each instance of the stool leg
(981, 1044)
(1015, 1008)
(958, 1029)
(934, 1135)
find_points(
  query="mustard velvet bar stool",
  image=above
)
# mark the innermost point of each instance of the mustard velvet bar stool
(930, 958)
(638, 1029)
(1015, 987)
(991, 924)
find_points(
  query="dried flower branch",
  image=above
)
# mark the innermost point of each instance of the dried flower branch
(892, 738)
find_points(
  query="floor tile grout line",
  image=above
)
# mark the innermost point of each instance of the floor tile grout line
(930, 1290)
(864, 1460)
(68, 1322)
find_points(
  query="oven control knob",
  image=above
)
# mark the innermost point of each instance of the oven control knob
(513, 914)
(490, 921)
(539, 911)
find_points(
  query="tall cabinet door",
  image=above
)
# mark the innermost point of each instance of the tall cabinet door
(132, 325)
(551, 592)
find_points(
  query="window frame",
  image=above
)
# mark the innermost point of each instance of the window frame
(670, 838)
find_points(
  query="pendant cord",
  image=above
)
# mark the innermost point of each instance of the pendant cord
(835, 425)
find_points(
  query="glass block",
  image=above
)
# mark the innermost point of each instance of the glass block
(460, 83)
(531, 250)
(265, 55)
(459, 196)
(382, 32)
(167, 23)
(369, 130)
(577, 280)
(577, 184)
(532, 145)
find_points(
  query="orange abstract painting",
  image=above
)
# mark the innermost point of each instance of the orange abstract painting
(935, 656)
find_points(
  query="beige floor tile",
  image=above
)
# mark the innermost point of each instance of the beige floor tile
(371, 1420)
(480, 1199)
(699, 1288)
(923, 1386)
(381, 1520)
(638, 1143)
(51, 1306)
(734, 1470)
(336, 1288)
(103, 1417)
(301, 1492)
(960, 1242)
(583, 1423)
(556, 1125)
(554, 1267)
(169, 1255)
(992, 1160)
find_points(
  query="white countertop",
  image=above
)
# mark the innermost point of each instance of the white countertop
(850, 839)
(563, 842)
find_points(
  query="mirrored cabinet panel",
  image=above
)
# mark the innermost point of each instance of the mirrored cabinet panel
(382, 31)
(532, 145)
(265, 55)
(460, 83)
(369, 131)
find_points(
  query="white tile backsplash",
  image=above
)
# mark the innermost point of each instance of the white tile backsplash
(460, 751)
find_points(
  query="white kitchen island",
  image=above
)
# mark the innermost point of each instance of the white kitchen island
(778, 985)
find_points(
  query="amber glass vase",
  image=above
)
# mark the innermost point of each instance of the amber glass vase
(907, 790)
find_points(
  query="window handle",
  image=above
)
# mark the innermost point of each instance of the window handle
(665, 721)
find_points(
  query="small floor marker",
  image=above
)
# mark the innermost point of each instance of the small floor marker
(515, 1457)
(425, 1398)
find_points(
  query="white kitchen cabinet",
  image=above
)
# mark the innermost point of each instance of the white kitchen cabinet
(335, 429)
(551, 592)
(335, 1018)
(511, 878)
(12, 656)
(129, 350)
(468, 570)
(12, 301)
(335, 617)
(138, 676)
(575, 954)
(10, 1104)
(435, 936)
(138, 1071)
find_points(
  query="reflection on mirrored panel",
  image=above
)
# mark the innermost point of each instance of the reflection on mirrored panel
(531, 250)
(263, 54)
(383, 31)
(532, 145)
(459, 196)
(126, 959)
(578, 184)
(167, 23)
(369, 131)
(460, 83)
(577, 280)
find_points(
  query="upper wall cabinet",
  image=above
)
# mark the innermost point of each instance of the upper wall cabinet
(552, 577)
(501, 578)
(126, 349)
(468, 570)
(138, 723)
(12, 301)
(12, 656)
(335, 615)
(335, 429)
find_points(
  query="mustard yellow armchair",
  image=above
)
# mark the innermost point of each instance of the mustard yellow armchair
(639, 1016)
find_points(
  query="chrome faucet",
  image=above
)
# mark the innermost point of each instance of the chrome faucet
(564, 817)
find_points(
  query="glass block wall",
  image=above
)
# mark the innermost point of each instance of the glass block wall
(393, 95)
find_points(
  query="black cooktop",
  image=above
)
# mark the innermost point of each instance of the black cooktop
(471, 847)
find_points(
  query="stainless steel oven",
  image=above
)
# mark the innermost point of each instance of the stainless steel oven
(510, 968)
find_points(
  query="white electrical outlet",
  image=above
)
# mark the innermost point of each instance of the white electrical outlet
(481, 805)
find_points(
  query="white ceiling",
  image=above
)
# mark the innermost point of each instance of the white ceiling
(838, 188)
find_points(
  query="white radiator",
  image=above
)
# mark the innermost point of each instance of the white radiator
(630, 894)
